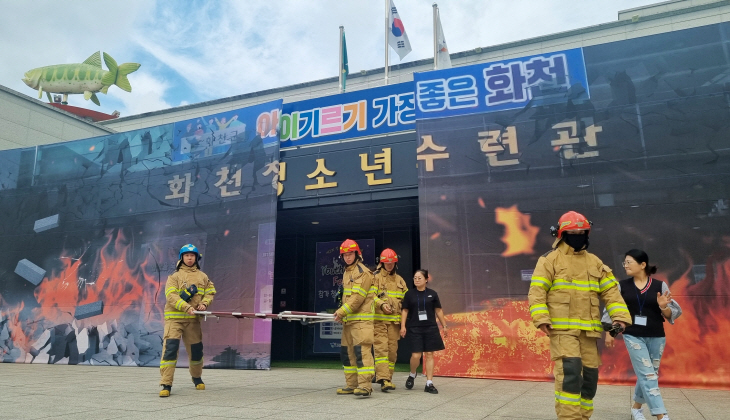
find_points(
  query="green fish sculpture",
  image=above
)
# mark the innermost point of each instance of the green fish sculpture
(87, 77)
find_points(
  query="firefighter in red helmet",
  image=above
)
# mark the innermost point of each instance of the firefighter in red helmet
(356, 314)
(390, 290)
(564, 303)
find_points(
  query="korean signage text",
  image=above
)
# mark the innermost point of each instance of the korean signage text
(498, 86)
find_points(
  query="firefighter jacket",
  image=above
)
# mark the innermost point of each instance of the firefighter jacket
(390, 289)
(565, 289)
(176, 307)
(357, 297)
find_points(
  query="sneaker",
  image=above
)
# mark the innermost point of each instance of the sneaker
(165, 391)
(637, 414)
(198, 384)
(362, 392)
(345, 391)
(666, 417)
(431, 389)
(410, 381)
(386, 385)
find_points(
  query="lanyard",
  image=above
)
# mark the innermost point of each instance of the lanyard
(642, 292)
(418, 307)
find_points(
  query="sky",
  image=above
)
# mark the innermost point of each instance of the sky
(194, 51)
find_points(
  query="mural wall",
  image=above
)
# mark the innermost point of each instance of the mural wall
(93, 228)
(641, 147)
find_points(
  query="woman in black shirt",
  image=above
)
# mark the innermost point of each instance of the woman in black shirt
(421, 307)
(650, 303)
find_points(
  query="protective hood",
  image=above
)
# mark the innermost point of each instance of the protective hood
(578, 242)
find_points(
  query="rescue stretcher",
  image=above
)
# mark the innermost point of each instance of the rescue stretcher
(305, 318)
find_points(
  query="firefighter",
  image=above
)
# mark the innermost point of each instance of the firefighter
(356, 314)
(390, 290)
(564, 292)
(188, 289)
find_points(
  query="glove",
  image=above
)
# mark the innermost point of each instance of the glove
(188, 293)
(613, 329)
(338, 297)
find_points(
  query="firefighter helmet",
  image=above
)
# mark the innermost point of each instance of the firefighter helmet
(570, 221)
(388, 256)
(189, 248)
(350, 246)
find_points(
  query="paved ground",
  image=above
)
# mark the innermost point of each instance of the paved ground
(87, 392)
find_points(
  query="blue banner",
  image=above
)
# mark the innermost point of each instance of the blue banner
(210, 135)
(501, 85)
(361, 113)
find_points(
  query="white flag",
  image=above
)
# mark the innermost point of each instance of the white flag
(397, 37)
(442, 54)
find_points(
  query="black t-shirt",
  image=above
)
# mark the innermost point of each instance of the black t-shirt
(416, 301)
(644, 304)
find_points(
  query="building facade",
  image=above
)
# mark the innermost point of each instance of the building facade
(461, 171)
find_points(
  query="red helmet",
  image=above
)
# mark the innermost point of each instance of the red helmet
(388, 256)
(571, 221)
(350, 246)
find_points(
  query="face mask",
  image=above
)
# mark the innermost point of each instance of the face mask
(577, 242)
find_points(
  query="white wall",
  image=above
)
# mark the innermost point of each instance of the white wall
(26, 122)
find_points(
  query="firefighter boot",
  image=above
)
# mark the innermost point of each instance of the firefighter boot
(199, 384)
(362, 392)
(165, 390)
(386, 385)
(345, 391)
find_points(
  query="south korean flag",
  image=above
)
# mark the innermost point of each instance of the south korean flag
(397, 37)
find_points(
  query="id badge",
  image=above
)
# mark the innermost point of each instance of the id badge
(422, 316)
(640, 320)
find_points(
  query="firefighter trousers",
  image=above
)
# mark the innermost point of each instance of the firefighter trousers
(387, 335)
(189, 331)
(576, 374)
(356, 354)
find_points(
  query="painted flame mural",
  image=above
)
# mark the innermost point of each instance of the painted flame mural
(643, 152)
(519, 234)
(97, 226)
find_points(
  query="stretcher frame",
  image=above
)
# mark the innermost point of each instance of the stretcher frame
(306, 318)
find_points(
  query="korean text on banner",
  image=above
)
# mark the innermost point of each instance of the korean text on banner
(385, 109)
(497, 86)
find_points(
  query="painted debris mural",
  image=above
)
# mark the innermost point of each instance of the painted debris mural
(93, 228)
(642, 149)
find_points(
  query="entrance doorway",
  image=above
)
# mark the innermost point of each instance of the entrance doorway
(388, 223)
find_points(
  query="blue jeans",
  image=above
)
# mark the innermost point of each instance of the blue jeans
(646, 354)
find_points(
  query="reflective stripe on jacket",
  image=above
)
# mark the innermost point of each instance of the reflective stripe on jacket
(357, 297)
(175, 307)
(390, 289)
(565, 291)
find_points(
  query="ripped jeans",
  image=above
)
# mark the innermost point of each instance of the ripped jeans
(646, 354)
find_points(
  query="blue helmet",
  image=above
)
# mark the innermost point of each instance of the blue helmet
(189, 248)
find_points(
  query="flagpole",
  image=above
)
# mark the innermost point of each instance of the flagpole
(342, 30)
(387, 21)
(435, 37)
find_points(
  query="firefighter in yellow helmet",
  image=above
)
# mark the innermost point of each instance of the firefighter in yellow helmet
(564, 303)
(188, 289)
(390, 291)
(356, 313)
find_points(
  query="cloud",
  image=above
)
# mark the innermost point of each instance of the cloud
(200, 50)
(227, 48)
(44, 32)
(147, 95)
